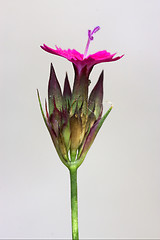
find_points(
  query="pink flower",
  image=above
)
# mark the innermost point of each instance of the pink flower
(81, 61)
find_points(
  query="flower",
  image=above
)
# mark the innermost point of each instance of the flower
(81, 61)
(73, 118)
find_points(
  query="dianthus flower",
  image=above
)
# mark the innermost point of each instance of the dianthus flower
(74, 118)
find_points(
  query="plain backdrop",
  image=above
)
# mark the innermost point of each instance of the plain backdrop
(119, 181)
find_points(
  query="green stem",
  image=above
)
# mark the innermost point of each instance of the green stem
(74, 203)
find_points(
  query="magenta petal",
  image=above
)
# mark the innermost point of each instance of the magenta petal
(103, 56)
(71, 55)
(49, 50)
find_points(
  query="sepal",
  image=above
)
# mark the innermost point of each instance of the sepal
(66, 93)
(96, 97)
(52, 134)
(92, 134)
(54, 92)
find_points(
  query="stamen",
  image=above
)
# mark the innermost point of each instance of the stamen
(90, 38)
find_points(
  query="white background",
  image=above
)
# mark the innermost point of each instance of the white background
(119, 191)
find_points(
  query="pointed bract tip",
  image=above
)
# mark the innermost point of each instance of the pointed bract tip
(102, 75)
(37, 92)
(66, 78)
(51, 66)
(100, 80)
(67, 88)
(52, 73)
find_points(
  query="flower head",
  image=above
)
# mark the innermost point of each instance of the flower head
(81, 61)
(74, 118)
